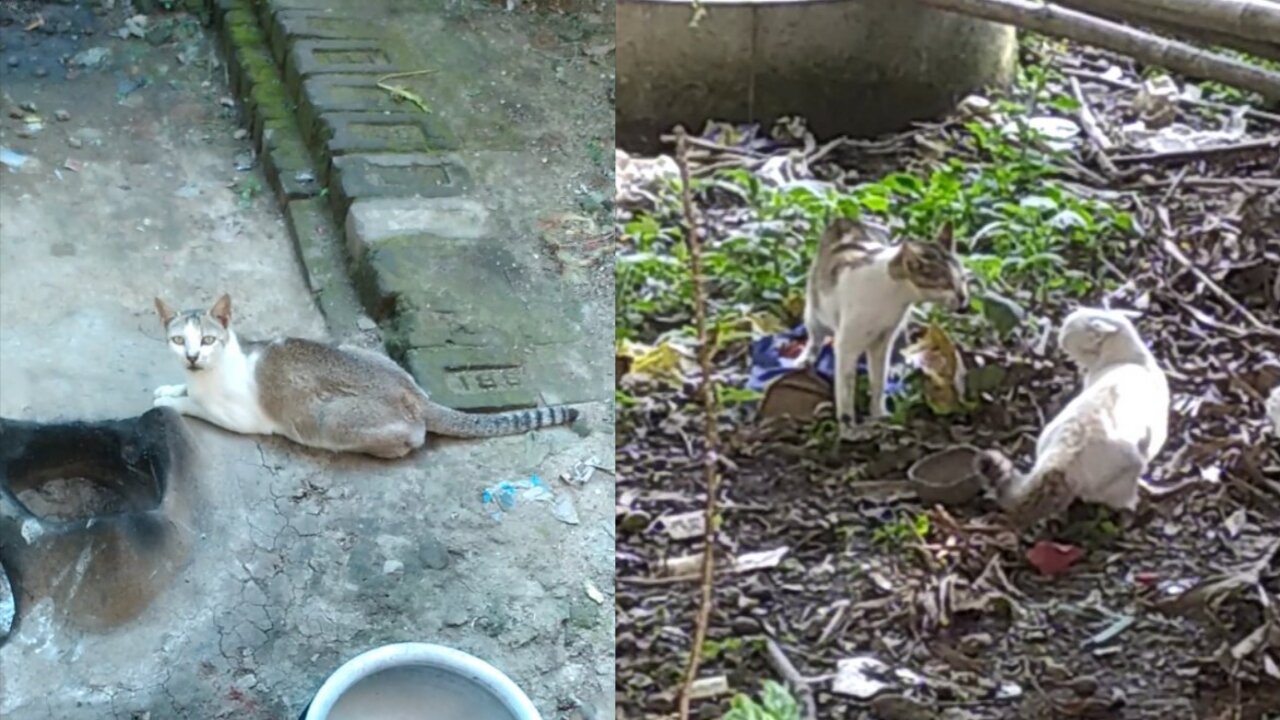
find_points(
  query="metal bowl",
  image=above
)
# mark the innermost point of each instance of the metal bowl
(947, 476)
(457, 666)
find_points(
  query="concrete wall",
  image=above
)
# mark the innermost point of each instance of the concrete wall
(858, 67)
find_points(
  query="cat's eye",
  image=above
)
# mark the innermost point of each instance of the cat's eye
(176, 339)
(207, 340)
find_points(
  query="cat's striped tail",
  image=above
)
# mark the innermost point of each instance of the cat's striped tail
(1025, 500)
(442, 420)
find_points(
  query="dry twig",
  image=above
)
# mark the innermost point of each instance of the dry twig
(1248, 146)
(1089, 121)
(780, 662)
(712, 439)
(1223, 295)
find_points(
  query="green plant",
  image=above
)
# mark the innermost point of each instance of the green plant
(901, 531)
(711, 649)
(776, 703)
(248, 190)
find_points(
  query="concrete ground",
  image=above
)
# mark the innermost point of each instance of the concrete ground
(305, 559)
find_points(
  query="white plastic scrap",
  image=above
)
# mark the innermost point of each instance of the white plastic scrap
(638, 178)
(1178, 137)
(1273, 410)
(864, 676)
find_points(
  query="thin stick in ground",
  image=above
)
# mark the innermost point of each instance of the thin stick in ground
(711, 438)
(780, 662)
(1092, 128)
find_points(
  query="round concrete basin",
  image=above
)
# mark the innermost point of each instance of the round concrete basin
(856, 67)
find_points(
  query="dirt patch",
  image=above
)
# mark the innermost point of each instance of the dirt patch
(71, 499)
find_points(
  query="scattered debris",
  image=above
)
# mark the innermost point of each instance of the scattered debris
(12, 159)
(709, 687)
(1052, 558)
(565, 511)
(593, 592)
(864, 677)
(91, 59)
(581, 471)
(1273, 410)
(684, 526)
(505, 494)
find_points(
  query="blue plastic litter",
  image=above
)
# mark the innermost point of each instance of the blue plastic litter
(768, 362)
(13, 159)
(505, 494)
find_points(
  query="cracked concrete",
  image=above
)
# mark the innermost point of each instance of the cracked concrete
(303, 559)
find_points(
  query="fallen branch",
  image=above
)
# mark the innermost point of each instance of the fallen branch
(1265, 144)
(1251, 19)
(710, 471)
(1223, 295)
(1198, 35)
(780, 662)
(1151, 49)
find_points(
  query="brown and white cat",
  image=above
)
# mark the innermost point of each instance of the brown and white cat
(1098, 446)
(342, 399)
(860, 288)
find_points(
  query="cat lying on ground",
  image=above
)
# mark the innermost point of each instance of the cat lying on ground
(343, 399)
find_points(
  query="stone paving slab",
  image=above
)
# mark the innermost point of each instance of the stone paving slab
(380, 132)
(318, 24)
(425, 260)
(338, 94)
(314, 57)
(394, 175)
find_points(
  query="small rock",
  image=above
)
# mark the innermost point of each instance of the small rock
(29, 107)
(61, 115)
(365, 323)
(75, 142)
(92, 58)
(564, 510)
(433, 553)
(14, 61)
(392, 567)
(40, 72)
(241, 134)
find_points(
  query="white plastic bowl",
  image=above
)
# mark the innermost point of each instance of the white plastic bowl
(402, 655)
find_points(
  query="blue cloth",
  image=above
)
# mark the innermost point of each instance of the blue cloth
(767, 362)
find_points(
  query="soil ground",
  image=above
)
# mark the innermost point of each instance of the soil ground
(1169, 617)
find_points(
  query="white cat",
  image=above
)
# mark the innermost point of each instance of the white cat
(1098, 446)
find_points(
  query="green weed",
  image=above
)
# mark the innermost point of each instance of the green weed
(899, 532)
(776, 703)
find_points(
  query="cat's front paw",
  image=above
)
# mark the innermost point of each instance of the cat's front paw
(168, 401)
(170, 391)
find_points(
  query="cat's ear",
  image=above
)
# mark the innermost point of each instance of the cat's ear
(946, 237)
(166, 313)
(1102, 326)
(222, 311)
